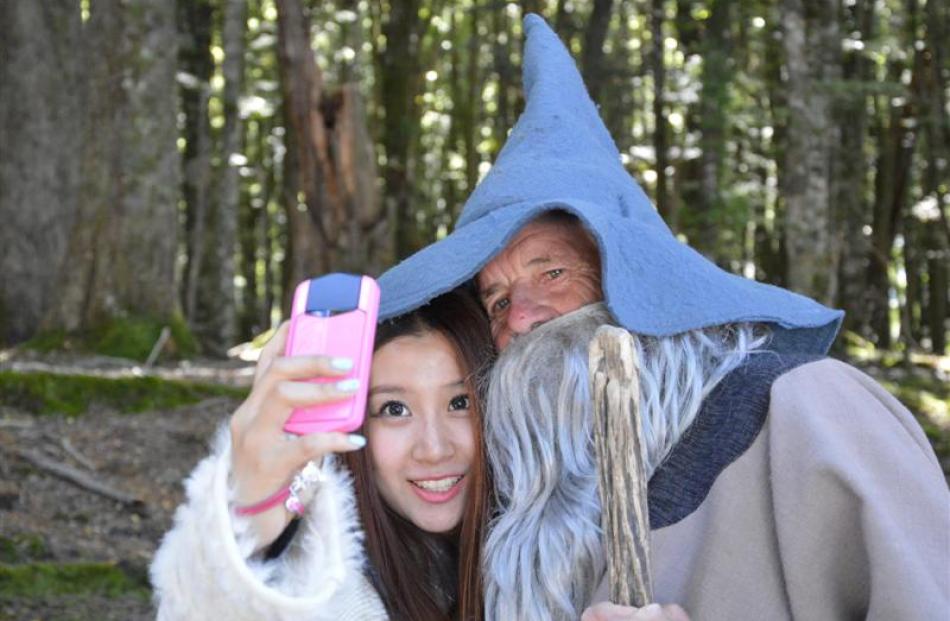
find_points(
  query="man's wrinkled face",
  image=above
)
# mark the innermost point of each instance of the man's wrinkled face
(550, 268)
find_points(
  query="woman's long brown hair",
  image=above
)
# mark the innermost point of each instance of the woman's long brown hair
(423, 576)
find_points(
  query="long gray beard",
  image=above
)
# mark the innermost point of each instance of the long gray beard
(543, 556)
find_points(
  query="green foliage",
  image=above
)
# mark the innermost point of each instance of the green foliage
(40, 580)
(72, 395)
(125, 337)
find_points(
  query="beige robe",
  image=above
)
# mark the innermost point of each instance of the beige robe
(837, 510)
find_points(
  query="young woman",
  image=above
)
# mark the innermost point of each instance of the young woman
(418, 490)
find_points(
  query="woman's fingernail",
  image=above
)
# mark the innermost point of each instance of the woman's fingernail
(356, 440)
(348, 385)
(652, 608)
(341, 364)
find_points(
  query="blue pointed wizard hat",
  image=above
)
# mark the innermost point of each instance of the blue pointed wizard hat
(559, 155)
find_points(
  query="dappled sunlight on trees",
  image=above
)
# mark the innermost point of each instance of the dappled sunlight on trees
(789, 142)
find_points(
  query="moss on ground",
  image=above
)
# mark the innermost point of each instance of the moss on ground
(72, 395)
(45, 579)
(126, 337)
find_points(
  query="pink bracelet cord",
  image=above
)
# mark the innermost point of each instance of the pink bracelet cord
(262, 506)
(290, 495)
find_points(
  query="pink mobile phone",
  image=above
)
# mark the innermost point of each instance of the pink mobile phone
(334, 315)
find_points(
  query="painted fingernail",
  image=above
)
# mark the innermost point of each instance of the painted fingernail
(356, 440)
(348, 385)
(341, 364)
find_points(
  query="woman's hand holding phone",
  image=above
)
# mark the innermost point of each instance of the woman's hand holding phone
(264, 459)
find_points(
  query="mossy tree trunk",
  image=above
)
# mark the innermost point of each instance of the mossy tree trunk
(121, 255)
(40, 114)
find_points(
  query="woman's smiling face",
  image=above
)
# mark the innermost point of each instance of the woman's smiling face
(419, 430)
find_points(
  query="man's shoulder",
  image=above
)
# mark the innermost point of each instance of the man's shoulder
(731, 418)
(836, 397)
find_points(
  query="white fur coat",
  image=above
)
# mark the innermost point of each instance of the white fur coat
(205, 567)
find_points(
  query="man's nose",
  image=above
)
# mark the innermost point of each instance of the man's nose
(433, 443)
(528, 311)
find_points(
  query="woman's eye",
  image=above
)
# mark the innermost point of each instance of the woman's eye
(394, 409)
(555, 273)
(459, 402)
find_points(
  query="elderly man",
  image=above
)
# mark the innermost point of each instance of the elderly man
(784, 485)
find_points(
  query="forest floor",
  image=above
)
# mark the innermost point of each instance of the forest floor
(70, 553)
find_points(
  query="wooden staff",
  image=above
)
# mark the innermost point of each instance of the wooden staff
(625, 519)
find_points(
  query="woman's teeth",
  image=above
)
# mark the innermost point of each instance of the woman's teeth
(438, 485)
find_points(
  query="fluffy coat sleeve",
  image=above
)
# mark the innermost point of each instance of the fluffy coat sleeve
(205, 567)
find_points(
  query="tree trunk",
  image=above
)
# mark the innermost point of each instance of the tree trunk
(852, 210)
(709, 219)
(301, 250)
(592, 61)
(660, 131)
(936, 129)
(302, 87)
(368, 247)
(121, 257)
(195, 24)
(503, 118)
(563, 21)
(398, 75)
(339, 224)
(812, 47)
(40, 100)
(773, 258)
(897, 140)
(253, 237)
(621, 67)
(215, 317)
(686, 193)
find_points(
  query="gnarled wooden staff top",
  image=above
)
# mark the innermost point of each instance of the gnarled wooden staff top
(622, 482)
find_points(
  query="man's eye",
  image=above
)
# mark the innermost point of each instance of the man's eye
(555, 273)
(500, 305)
(394, 409)
(459, 402)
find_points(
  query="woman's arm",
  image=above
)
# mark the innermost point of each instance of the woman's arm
(212, 563)
(208, 566)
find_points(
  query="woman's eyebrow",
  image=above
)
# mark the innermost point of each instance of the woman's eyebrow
(396, 390)
(459, 383)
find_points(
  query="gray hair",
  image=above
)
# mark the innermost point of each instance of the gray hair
(543, 556)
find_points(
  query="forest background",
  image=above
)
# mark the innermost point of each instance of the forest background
(170, 170)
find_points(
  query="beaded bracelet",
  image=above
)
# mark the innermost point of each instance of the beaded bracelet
(290, 495)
